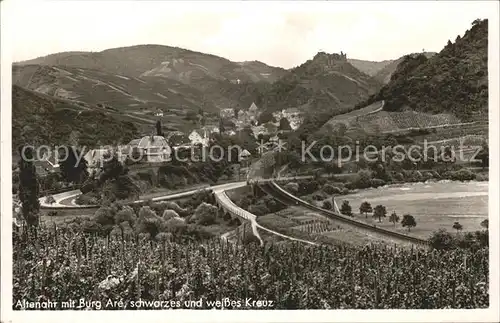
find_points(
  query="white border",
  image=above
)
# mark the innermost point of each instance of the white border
(484, 315)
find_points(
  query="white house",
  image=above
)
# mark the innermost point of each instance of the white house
(159, 113)
(245, 154)
(153, 149)
(198, 139)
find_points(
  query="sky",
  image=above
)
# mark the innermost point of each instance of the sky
(284, 34)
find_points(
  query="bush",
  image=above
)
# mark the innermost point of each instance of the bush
(126, 214)
(399, 177)
(86, 199)
(327, 205)
(53, 213)
(258, 209)
(175, 207)
(363, 179)
(169, 214)
(309, 187)
(205, 214)
(148, 222)
(292, 187)
(460, 175)
(50, 200)
(318, 197)
(331, 190)
(376, 182)
(481, 177)
(442, 240)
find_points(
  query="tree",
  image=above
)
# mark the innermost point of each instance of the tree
(73, 167)
(266, 117)
(159, 131)
(441, 240)
(222, 129)
(484, 155)
(408, 221)
(284, 124)
(457, 226)
(28, 188)
(485, 223)
(379, 212)
(191, 116)
(346, 208)
(365, 208)
(327, 205)
(394, 218)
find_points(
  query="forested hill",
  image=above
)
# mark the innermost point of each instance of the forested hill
(455, 80)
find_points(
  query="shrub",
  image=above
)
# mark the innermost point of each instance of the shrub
(331, 190)
(292, 187)
(327, 205)
(399, 177)
(258, 209)
(148, 222)
(86, 199)
(50, 200)
(205, 214)
(126, 214)
(460, 175)
(169, 214)
(175, 207)
(481, 177)
(318, 197)
(376, 182)
(53, 213)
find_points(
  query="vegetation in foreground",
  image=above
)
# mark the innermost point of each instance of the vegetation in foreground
(62, 265)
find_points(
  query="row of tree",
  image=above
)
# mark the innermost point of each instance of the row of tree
(379, 212)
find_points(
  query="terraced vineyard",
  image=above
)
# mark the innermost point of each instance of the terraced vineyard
(351, 117)
(384, 121)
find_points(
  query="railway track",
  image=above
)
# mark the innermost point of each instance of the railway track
(279, 194)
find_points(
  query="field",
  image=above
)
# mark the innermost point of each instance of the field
(59, 266)
(302, 223)
(434, 205)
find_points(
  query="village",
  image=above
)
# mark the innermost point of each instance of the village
(157, 148)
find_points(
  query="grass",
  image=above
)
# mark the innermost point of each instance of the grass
(434, 206)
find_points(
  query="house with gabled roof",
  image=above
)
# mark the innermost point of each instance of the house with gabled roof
(152, 149)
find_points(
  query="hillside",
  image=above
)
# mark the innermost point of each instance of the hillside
(453, 81)
(369, 67)
(38, 119)
(179, 64)
(326, 83)
(121, 93)
(384, 74)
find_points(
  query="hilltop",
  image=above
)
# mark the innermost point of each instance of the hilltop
(175, 63)
(325, 83)
(453, 81)
(384, 74)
